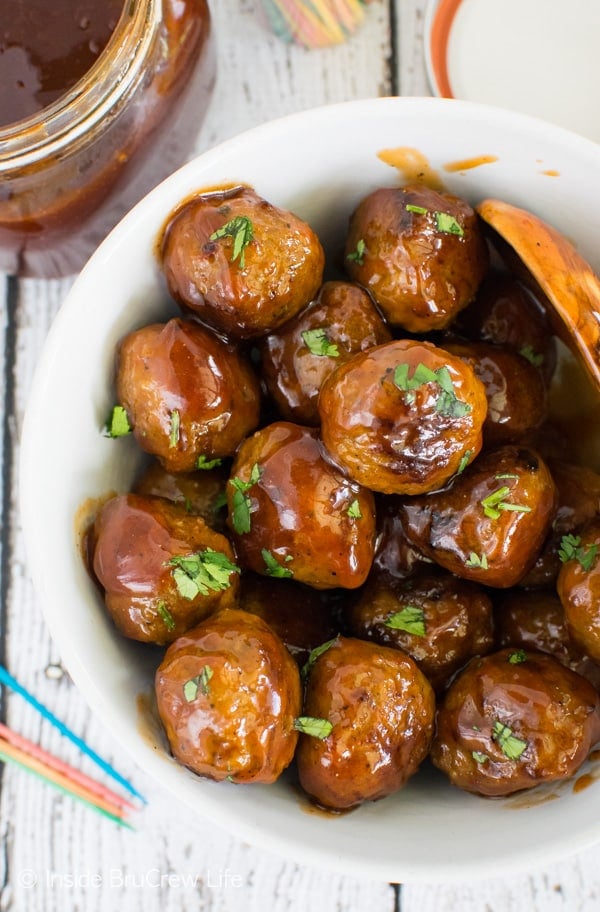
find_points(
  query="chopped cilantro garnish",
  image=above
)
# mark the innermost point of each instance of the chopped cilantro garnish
(317, 342)
(203, 463)
(317, 728)
(517, 657)
(418, 210)
(474, 560)
(533, 357)
(464, 461)
(447, 402)
(240, 229)
(447, 224)
(511, 746)
(118, 423)
(175, 428)
(202, 572)
(496, 502)
(169, 620)
(273, 567)
(479, 757)
(353, 510)
(199, 683)
(240, 516)
(572, 549)
(410, 619)
(358, 254)
(314, 655)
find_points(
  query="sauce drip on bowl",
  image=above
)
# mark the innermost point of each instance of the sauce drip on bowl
(46, 48)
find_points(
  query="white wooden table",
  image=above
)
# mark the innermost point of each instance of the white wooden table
(56, 854)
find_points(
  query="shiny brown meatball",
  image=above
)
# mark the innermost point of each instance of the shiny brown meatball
(188, 395)
(297, 358)
(578, 587)
(292, 514)
(536, 620)
(419, 252)
(515, 390)
(239, 263)
(162, 569)
(439, 620)
(201, 493)
(512, 720)
(504, 312)
(490, 523)
(299, 615)
(578, 493)
(402, 418)
(228, 693)
(380, 708)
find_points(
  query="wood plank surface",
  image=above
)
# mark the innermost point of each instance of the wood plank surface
(56, 855)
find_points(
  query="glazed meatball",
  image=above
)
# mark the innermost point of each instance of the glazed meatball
(536, 620)
(420, 253)
(504, 312)
(300, 615)
(242, 265)
(162, 569)
(490, 523)
(578, 587)
(514, 388)
(404, 417)
(513, 720)
(297, 358)
(228, 693)
(439, 620)
(189, 396)
(578, 493)
(372, 712)
(292, 514)
(201, 492)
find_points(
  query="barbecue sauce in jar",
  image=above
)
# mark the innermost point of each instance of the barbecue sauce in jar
(98, 103)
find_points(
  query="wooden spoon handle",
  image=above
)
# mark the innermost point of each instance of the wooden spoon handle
(567, 280)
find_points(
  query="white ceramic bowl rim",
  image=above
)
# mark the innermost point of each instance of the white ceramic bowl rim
(318, 163)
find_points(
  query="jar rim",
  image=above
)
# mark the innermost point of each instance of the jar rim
(91, 98)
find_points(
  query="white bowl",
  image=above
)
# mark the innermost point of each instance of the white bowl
(317, 163)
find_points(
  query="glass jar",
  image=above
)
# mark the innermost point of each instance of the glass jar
(68, 173)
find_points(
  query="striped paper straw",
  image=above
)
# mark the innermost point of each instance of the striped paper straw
(315, 23)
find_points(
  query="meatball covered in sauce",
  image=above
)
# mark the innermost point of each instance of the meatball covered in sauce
(369, 715)
(228, 693)
(241, 264)
(404, 417)
(439, 620)
(296, 359)
(188, 395)
(578, 587)
(294, 515)
(513, 720)
(420, 253)
(490, 523)
(162, 569)
(200, 492)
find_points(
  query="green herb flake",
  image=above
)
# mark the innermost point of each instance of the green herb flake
(517, 657)
(198, 684)
(511, 746)
(418, 210)
(316, 728)
(447, 224)
(506, 475)
(464, 461)
(314, 655)
(240, 229)
(447, 402)
(495, 503)
(532, 356)
(203, 463)
(479, 757)
(167, 617)
(358, 254)
(118, 423)
(175, 428)
(241, 502)
(476, 561)
(572, 549)
(273, 567)
(202, 572)
(353, 510)
(317, 342)
(411, 619)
